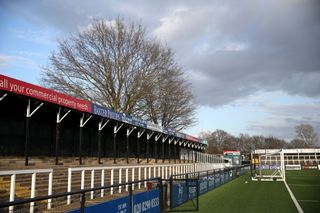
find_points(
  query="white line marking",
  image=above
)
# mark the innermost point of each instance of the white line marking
(293, 198)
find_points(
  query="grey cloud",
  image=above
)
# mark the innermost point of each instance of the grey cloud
(230, 49)
(283, 119)
(276, 131)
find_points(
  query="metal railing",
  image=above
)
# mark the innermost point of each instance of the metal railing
(207, 180)
(33, 173)
(143, 171)
(82, 194)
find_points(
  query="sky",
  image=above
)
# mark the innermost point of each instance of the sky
(254, 65)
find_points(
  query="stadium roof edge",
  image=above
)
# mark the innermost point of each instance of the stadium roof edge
(15, 86)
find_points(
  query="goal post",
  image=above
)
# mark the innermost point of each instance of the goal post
(269, 167)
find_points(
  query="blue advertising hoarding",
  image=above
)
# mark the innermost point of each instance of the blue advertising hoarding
(148, 201)
(182, 193)
(211, 182)
(105, 112)
(120, 205)
(203, 185)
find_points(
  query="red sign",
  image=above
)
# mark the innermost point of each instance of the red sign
(191, 138)
(30, 90)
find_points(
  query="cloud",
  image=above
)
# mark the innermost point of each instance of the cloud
(7, 61)
(46, 37)
(229, 49)
(282, 119)
(247, 48)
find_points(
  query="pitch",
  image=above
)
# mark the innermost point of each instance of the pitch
(245, 195)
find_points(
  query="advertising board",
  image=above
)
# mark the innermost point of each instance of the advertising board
(120, 205)
(40, 93)
(148, 201)
(105, 112)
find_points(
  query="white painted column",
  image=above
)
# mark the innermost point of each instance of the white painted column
(12, 191)
(111, 182)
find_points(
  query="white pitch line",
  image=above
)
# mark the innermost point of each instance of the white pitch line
(293, 198)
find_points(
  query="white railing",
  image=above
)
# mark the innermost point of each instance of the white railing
(200, 157)
(33, 172)
(143, 171)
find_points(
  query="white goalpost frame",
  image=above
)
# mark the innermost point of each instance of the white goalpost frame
(279, 170)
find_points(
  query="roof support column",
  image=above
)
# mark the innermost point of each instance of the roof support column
(129, 131)
(83, 122)
(139, 134)
(163, 154)
(156, 138)
(2, 97)
(115, 147)
(27, 130)
(58, 121)
(186, 150)
(180, 150)
(175, 150)
(101, 125)
(149, 135)
(169, 149)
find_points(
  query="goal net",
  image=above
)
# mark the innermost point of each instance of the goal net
(269, 167)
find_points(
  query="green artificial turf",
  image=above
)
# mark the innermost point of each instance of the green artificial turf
(305, 185)
(239, 196)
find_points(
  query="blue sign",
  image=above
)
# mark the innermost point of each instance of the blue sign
(179, 194)
(147, 201)
(139, 122)
(120, 205)
(105, 112)
(211, 182)
(182, 193)
(203, 186)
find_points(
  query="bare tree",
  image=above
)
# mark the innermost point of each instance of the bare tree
(170, 102)
(117, 65)
(306, 134)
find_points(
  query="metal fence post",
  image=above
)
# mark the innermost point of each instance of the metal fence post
(82, 202)
(161, 194)
(130, 198)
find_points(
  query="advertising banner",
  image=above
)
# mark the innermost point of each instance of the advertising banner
(293, 167)
(120, 205)
(211, 182)
(40, 93)
(203, 185)
(105, 112)
(192, 138)
(147, 201)
(310, 167)
(179, 194)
